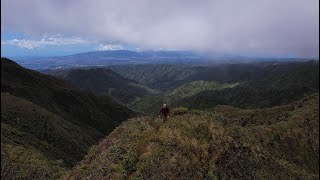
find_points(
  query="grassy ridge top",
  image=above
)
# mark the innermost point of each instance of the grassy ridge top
(210, 145)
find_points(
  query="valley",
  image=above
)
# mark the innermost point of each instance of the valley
(245, 85)
(101, 122)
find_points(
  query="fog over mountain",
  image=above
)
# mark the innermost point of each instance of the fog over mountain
(267, 27)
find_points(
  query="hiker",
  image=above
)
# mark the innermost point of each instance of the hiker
(164, 112)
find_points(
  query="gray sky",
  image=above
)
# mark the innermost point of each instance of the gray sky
(270, 27)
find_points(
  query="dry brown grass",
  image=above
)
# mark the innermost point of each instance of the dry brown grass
(211, 145)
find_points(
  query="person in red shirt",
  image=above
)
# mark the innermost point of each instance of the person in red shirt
(164, 112)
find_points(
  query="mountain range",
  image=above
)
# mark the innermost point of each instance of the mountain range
(121, 57)
(244, 85)
(257, 120)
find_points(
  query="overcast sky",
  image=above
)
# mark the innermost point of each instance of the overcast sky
(253, 27)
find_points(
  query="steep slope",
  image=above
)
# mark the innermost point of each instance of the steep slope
(245, 96)
(211, 145)
(101, 81)
(195, 87)
(301, 75)
(36, 143)
(59, 97)
(18, 162)
(166, 77)
(47, 126)
(284, 83)
(151, 104)
(160, 76)
(260, 85)
(258, 71)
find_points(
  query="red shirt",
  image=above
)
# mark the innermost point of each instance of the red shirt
(164, 111)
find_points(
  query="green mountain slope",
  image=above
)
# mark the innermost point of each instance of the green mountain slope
(195, 87)
(101, 81)
(18, 162)
(212, 145)
(245, 96)
(269, 70)
(37, 144)
(151, 104)
(168, 77)
(215, 132)
(47, 125)
(286, 83)
(59, 97)
(66, 140)
(283, 84)
(160, 76)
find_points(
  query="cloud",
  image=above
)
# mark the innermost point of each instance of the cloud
(46, 41)
(246, 26)
(109, 47)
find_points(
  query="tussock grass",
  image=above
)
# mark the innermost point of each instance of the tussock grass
(211, 145)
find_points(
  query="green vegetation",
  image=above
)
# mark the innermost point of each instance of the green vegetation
(179, 111)
(168, 77)
(18, 162)
(156, 76)
(62, 99)
(151, 104)
(47, 126)
(246, 95)
(212, 145)
(100, 81)
(230, 121)
(131, 93)
(262, 85)
(24, 123)
(195, 87)
(37, 144)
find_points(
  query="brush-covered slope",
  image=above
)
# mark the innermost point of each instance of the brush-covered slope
(195, 87)
(38, 144)
(211, 145)
(59, 97)
(151, 104)
(168, 77)
(47, 126)
(281, 84)
(157, 76)
(271, 71)
(102, 81)
(245, 96)
(70, 141)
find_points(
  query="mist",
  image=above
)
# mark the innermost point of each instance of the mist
(271, 27)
